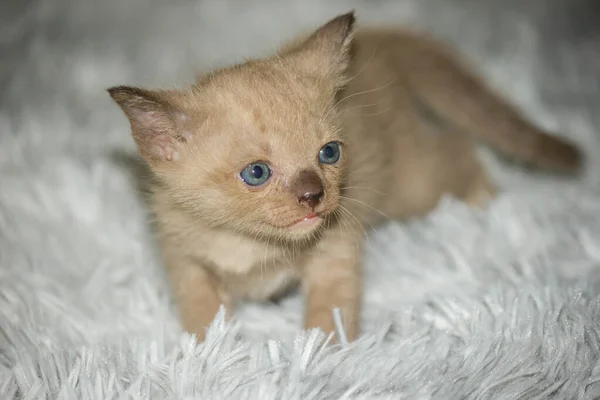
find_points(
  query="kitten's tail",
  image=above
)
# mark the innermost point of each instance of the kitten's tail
(459, 96)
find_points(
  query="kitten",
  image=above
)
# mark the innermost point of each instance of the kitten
(267, 172)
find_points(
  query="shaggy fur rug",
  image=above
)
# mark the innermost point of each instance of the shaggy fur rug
(497, 304)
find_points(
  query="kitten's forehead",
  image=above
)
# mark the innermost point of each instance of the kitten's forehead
(268, 105)
(269, 85)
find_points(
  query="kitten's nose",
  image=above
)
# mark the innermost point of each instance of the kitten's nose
(308, 188)
(311, 199)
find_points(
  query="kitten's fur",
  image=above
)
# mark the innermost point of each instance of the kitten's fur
(406, 112)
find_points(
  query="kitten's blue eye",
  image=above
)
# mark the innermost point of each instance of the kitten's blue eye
(330, 153)
(255, 174)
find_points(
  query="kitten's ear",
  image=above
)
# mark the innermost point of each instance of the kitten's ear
(326, 52)
(156, 123)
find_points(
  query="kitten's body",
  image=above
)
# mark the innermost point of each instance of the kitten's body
(403, 108)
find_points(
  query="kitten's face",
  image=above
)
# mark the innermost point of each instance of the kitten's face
(254, 148)
(266, 158)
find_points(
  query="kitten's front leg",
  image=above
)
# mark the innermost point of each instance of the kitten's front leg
(197, 295)
(333, 279)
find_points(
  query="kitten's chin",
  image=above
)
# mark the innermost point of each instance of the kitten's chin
(304, 232)
(309, 222)
(301, 229)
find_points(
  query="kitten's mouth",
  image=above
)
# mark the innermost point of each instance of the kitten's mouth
(308, 221)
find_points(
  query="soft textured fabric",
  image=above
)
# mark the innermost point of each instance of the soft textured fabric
(495, 304)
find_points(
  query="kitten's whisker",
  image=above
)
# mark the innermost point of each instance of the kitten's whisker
(366, 205)
(358, 223)
(255, 240)
(344, 224)
(350, 173)
(376, 113)
(265, 257)
(363, 67)
(287, 260)
(372, 114)
(354, 95)
(361, 106)
(348, 221)
(355, 220)
(363, 188)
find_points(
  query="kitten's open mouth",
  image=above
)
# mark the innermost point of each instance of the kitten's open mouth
(308, 221)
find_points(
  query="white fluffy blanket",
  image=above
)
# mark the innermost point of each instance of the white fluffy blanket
(498, 304)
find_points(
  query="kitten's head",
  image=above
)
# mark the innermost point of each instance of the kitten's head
(256, 147)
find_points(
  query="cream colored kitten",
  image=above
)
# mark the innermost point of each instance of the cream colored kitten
(267, 172)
